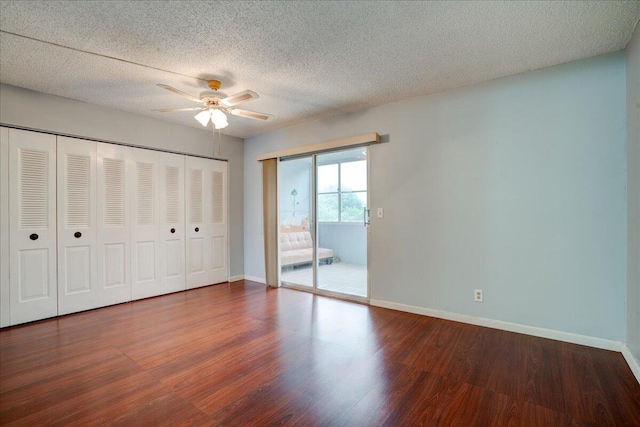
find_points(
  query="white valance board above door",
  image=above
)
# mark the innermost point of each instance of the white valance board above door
(336, 144)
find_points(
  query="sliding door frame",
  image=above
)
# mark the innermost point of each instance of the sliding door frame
(314, 227)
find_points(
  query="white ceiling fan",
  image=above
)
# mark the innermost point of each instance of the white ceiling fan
(214, 104)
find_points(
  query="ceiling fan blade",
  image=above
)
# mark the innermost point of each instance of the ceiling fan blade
(171, 110)
(244, 96)
(181, 93)
(250, 114)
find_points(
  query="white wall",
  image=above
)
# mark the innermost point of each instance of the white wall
(633, 195)
(515, 186)
(21, 107)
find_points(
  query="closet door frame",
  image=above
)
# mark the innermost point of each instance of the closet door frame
(114, 242)
(145, 239)
(172, 222)
(219, 230)
(33, 288)
(198, 212)
(77, 262)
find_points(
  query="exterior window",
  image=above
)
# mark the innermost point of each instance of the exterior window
(342, 191)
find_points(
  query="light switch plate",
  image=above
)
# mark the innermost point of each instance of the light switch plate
(380, 213)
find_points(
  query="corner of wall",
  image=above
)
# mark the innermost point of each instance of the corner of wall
(633, 202)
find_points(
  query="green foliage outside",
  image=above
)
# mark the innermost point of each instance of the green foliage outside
(352, 207)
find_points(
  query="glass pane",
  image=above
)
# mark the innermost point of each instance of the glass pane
(353, 176)
(328, 207)
(296, 240)
(342, 246)
(352, 206)
(327, 178)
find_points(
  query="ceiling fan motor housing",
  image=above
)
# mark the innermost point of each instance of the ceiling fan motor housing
(212, 97)
(214, 84)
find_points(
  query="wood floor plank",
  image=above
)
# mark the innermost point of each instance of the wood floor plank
(20, 401)
(52, 363)
(437, 349)
(168, 409)
(544, 376)
(502, 363)
(90, 404)
(205, 361)
(619, 387)
(584, 396)
(316, 368)
(218, 385)
(240, 354)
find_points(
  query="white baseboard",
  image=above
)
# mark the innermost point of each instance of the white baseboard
(631, 361)
(236, 278)
(505, 326)
(256, 279)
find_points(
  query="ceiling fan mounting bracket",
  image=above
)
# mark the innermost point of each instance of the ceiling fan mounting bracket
(214, 84)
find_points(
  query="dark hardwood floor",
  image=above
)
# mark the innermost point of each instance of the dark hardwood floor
(243, 355)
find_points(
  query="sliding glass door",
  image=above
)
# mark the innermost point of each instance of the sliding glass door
(342, 222)
(324, 221)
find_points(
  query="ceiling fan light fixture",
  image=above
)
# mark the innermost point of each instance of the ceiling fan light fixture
(219, 119)
(203, 117)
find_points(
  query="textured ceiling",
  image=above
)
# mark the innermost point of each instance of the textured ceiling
(307, 60)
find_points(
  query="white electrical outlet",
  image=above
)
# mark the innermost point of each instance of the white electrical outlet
(478, 295)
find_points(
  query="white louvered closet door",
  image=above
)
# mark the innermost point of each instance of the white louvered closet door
(172, 222)
(77, 267)
(198, 213)
(4, 228)
(218, 269)
(145, 239)
(114, 225)
(32, 223)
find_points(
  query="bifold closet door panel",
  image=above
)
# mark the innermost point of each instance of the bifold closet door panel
(217, 267)
(145, 238)
(77, 266)
(4, 228)
(113, 224)
(32, 224)
(172, 222)
(198, 206)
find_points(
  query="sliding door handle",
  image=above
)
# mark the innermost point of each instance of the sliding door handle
(366, 217)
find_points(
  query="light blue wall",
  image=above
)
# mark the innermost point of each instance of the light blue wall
(515, 186)
(294, 174)
(633, 195)
(348, 241)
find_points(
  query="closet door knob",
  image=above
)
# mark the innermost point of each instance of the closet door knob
(77, 234)
(173, 230)
(34, 236)
(197, 229)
